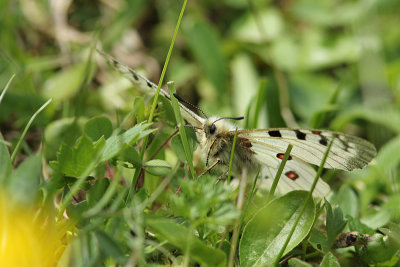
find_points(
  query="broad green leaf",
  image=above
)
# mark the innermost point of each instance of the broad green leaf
(139, 108)
(167, 110)
(63, 85)
(312, 93)
(348, 201)
(80, 159)
(265, 233)
(272, 99)
(75, 211)
(247, 28)
(295, 262)
(356, 225)
(380, 249)
(376, 218)
(117, 143)
(98, 127)
(244, 76)
(389, 156)
(182, 238)
(63, 131)
(97, 191)
(387, 118)
(204, 43)
(5, 163)
(109, 247)
(158, 167)
(335, 222)
(330, 260)
(24, 181)
(177, 147)
(319, 241)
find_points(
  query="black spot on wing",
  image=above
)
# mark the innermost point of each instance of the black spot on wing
(149, 84)
(300, 135)
(323, 141)
(274, 133)
(135, 76)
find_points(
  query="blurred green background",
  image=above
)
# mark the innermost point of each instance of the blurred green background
(309, 64)
(325, 64)
(305, 50)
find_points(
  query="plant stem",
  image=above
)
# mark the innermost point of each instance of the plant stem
(279, 173)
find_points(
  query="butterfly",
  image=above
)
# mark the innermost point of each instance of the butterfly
(265, 148)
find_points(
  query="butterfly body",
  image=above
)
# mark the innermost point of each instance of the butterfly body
(217, 142)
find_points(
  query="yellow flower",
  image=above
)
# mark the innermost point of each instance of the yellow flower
(29, 237)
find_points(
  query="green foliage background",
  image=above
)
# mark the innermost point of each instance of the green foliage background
(309, 64)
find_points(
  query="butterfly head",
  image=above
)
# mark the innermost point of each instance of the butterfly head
(215, 126)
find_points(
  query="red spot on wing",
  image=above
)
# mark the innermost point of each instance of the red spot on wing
(292, 175)
(282, 155)
(316, 132)
(245, 142)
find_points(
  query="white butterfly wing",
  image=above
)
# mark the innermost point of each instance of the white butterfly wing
(147, 86)
(296, 175)
(347, 152)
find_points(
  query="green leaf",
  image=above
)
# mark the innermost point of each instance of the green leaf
(380, 249)
(177, 147)
(389, 156)
(319, 241)
(295, 262)
(139, 108)
(272, 99)
(335, 222)
(75, 211)
(97, 191)
(158, 167)
(244, 75)
(115, 144)
(356, 225)
(265, 233)
(63, 131)
(204, 43)
(247, 29)
(376, 218)
(24, 181)
(5, 162)
(348, 201)
(329, 260)
(182, 238)
(64, 84)
(98, 127)
(109, 247)
(81, 159)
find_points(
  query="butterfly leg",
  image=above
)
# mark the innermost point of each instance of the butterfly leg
(221, 177)
(210, 167)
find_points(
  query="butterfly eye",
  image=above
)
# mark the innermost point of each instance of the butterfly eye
(212, 129)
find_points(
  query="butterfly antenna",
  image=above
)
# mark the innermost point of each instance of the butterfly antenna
(190, 104)
(229, 118)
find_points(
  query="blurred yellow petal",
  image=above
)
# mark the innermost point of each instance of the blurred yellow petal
(27, 239)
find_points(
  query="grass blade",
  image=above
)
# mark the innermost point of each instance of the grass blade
(6, 88)
(279, 173)
(17, 147)
(182, 131)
